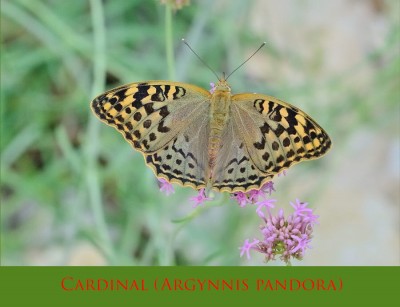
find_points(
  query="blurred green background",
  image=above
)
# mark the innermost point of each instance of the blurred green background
(73, 192)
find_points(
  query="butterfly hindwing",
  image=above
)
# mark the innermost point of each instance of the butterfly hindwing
(235, 171)
(184, 160)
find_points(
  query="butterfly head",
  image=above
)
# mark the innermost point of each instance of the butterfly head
(222, 86)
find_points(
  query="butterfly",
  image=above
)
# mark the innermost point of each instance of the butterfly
(200, 139)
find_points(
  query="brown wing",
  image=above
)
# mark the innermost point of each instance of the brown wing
(166, 121)
(150, 114)
(184, 160)
(235, 171)
(276, 134)
(264, 137)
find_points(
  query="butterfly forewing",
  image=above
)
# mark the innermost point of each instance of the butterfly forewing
(150, 114)
(166, 121)
(276, 134)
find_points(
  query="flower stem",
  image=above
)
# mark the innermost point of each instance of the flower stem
(92, 178)
(169, 47)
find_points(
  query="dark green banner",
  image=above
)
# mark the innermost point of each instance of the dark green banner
(199, 286)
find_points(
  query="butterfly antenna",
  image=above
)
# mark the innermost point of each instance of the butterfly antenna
(262, 45)
(183, 40)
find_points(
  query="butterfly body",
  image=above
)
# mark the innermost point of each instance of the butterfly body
(227, 142)
(220, 103)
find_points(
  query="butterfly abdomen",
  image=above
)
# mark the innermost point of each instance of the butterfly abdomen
(219, 115)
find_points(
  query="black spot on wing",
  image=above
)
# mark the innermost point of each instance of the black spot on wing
(162, 128)
(158, 95)
(179, 92)
(291, 117)
(142, 92)
(147, 123)
(259, 105)
(279, 130)
(137, 116)
(166, 90)
(149, 108)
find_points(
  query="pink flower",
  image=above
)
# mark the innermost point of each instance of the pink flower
(267, 203)
(302, 243)
(268, 187)
(176, 4)
(284, 237)
(212, 90)
(200, 198)
(302, 210)
(165, 186)
(254, 195)
(247, 246)
(241, 198)
(311, 218)
(283, 173)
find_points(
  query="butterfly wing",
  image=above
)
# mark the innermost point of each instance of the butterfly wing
(166, 122)
(150, 114)
(234, 170)
(184, 160)
(273, 135)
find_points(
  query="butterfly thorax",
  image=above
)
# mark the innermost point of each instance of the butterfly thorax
(219, 115)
